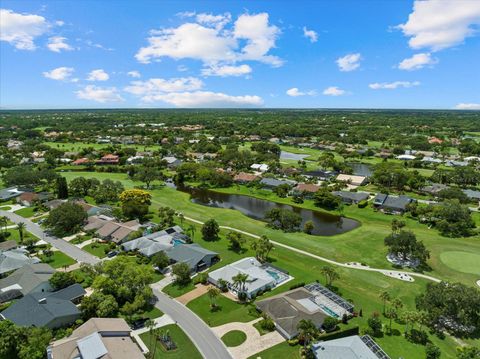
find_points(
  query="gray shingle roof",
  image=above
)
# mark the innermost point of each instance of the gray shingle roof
(14, 259)
(192, 254)
(27, 278)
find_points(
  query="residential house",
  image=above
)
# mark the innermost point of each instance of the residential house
(472, 195)
(261, 277)
(352, 347)
(109, 159)
(97, 338)
(8, 245)
(321, 175)
(54, 203)
(434, 188)
(431, 160)
(351, 197)
(472, 159)
(260, 167)
(406, 157)
(28, 199)
(81, 161)
(312, 302)
(9, 193)
(352, 179)
(243, 177)
(172, 162)
(51, 310)
(272, 183)
(13, 259)
(435, 140)
(195, 256)
(31, 278)
(108, 229)
(307, 190)
(153, 243)
(392, 204)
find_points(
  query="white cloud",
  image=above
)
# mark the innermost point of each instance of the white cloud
(227, 70)
(58, 43)
(152, 88)
(250, 37)
(59, 74)
(182, 68)
(207, 99)
(98, 75)
(417, 62)
(295, 92)
(99, 94)
(134, 73)
(310, 34)
(333, 91)
(468, 106)
(20, 30)
(349, 62)
(393, 85)
(439, 24)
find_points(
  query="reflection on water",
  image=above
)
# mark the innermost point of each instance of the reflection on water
(325, 224)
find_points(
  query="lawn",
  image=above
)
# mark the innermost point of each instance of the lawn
(5, 208)
(279, 351)
(26, 212)
(227, 311)
(58, 260)
(234, 338)
(15, 235)
(185, 348)
(176, 290)
(152, 313)
(462, 261)
(97, 249)
(259, 328)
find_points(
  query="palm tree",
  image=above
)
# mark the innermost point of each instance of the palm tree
(20, 227)
(3, 223)
(150, 325)
(239, 281)
(391, 313)
(307, 331)
(330, 275)
(191, 231)
(385, 297)
(213, 293)
(181, 217)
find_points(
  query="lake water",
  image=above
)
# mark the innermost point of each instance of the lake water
(361, 169)
(284, 155)
(325, 224)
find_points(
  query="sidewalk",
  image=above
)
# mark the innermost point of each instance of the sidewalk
(159, 322)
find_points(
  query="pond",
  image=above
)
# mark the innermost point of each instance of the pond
(325, 224)
(284, 155)
(361, 169)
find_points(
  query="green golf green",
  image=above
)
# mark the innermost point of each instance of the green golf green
(234, 338)
(462, 261)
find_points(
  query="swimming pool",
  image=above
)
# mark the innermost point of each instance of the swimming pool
(277, 276)
(328, 311)
(176, 242)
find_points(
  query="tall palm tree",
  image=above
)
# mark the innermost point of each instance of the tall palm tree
(330, 275)
(3, 223)
(213, 293)
(239, 281)
(385, 297)
(21, 227)
(307, 331)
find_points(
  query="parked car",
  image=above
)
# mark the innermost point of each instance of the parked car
(112, 254)
(139, 323)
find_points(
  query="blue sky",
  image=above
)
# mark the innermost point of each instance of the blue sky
(321, 54)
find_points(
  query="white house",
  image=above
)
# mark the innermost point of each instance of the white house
(260, 167)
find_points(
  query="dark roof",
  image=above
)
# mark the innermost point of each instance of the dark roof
(321, 173)
(192, 254)
(472, 194)
(42, 309)
(7, 245)
(273, 182)
(392, 202)
(353, 196)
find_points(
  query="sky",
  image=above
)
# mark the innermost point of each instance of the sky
(259, 54)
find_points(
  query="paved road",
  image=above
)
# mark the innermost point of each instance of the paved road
(62, 245)
(286, 246)
(209, 345)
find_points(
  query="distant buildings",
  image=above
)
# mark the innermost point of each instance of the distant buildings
(351, 197)
(392, 204)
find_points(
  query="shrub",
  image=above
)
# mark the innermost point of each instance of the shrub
(362, 204)
(293, 342)
(417, 336)
(201, 278)
(267, 324)
(330, 324)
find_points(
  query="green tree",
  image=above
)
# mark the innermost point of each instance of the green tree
(262, 248)
(283, 219)
(468, 352)
(135, 203)
(181, 271)
(239, 281)
(375, 324)
(330, 275)
(385, 297)
(210, 230)
(404, 245)
(21, 228)
(160, 260)
(330, 324)
(213, 293)
(308, 227)
(323, 198)
(455, 219)
(60, 280)
(307, 331)
(66, 219)
(166, 217)
(62, 188)
(432, 351)
(147, 174)
(236, 240)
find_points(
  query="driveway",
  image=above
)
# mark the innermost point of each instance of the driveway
(62, 245)
(199, 290)
(254, 343)
(209, 345)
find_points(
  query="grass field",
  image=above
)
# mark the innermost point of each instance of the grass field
(462, 261)
(58, 260)
(228, 310)
(362, 244)
(234, 338)
(26, 212)
(279, 351)
(185, 347)
(78, 146)
(5, 208)
(97, 249)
